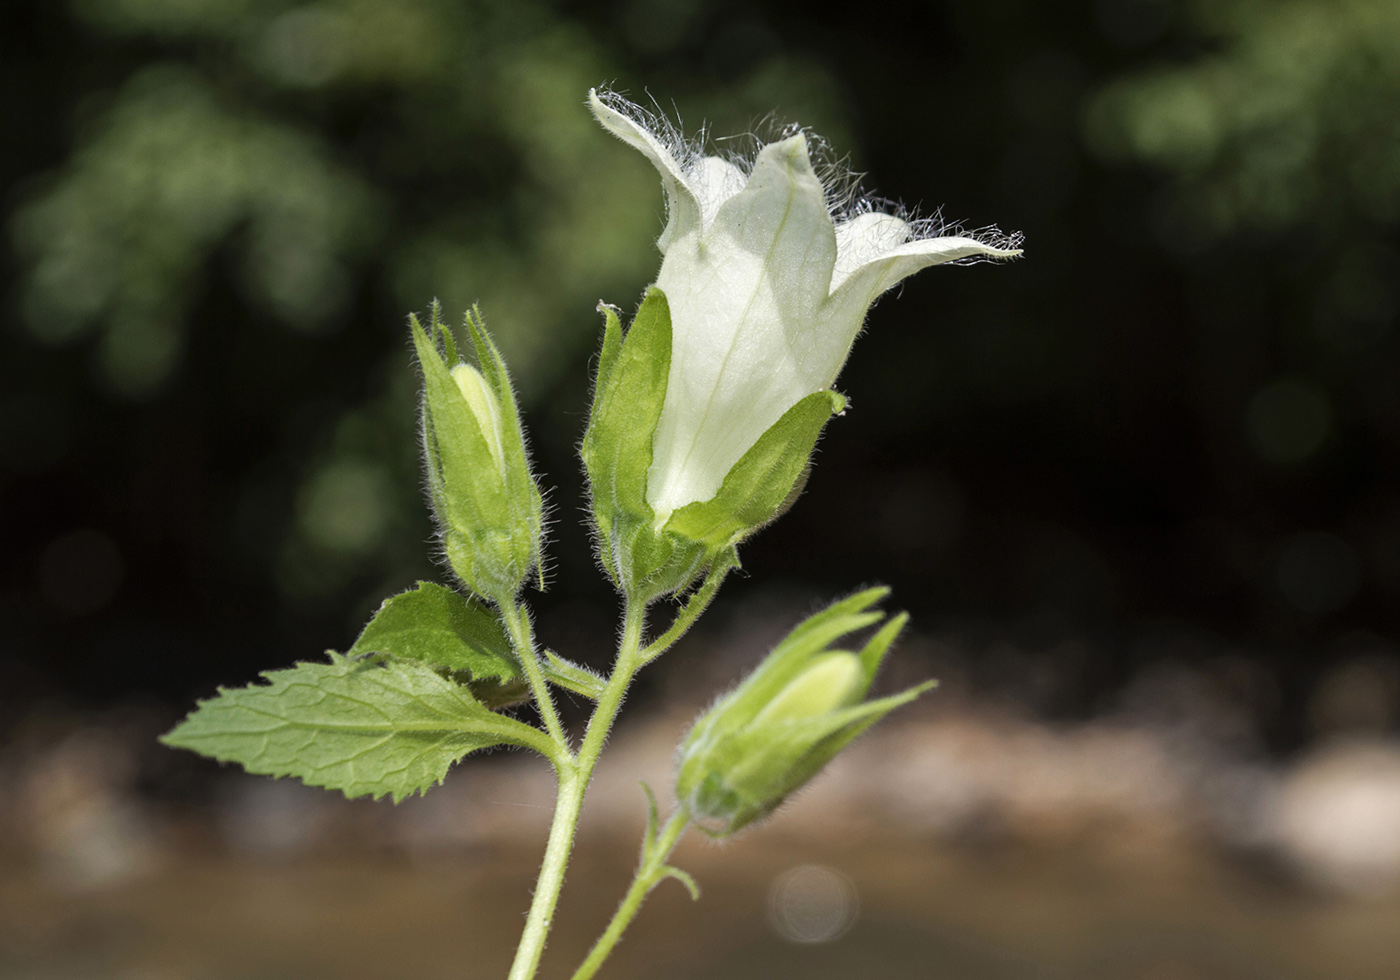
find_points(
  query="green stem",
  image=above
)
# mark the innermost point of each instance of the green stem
(650, 872)
(573, 783)
(522, 636)
(698, 602)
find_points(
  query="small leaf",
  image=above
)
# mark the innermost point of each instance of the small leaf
(649, 836)
(365, 729)
(437, 626)
(761, 484)
(671, 871)
(571, 677)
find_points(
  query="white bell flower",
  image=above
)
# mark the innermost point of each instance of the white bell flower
(768, 285)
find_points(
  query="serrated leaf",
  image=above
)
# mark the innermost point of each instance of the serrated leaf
(764, 480)
(363, 728)
(437, 626)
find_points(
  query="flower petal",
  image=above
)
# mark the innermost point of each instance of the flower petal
(781, 218)
(714, 181)
(682, 206)
(740, 295)
(872, 277)
(850, 299)
(864, 238)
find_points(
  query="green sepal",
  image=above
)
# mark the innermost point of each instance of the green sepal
(656, 564)
(646, 561)
(765, 480)
(522, 491)
(361, 727)
(788, 659)
(628, 395)
(607, 356)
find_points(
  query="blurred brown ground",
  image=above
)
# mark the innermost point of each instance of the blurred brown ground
(962, 843)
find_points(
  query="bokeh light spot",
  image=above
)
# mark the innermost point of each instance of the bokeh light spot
(812, 904)
(304, 47)
(1288, 420)
(343, 507)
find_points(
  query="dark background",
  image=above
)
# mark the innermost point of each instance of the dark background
(1168, 435)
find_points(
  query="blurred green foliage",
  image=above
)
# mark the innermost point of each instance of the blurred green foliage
(1183, 405)
(1278, 124)
(339, 160)
(1284, 116)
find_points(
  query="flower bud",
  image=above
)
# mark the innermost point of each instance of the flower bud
(484, 407)
(489, 512)
(778, 728)
(829, 682)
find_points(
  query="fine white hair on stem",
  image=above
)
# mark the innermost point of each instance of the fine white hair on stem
(845, 196)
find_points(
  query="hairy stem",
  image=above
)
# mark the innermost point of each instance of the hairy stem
(573, 783)
(698, 602)
(522, 637)
(650, 872)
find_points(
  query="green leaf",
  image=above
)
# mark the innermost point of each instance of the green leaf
(764, 480)
(363, 728)
(437, 626)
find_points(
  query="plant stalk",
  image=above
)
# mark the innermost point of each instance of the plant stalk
(573, 784)
(522, 636)
(650, 872)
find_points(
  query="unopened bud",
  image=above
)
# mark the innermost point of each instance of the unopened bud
(778, 728)
(489, 512)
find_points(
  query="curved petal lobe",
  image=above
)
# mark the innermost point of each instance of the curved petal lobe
(682, 206)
